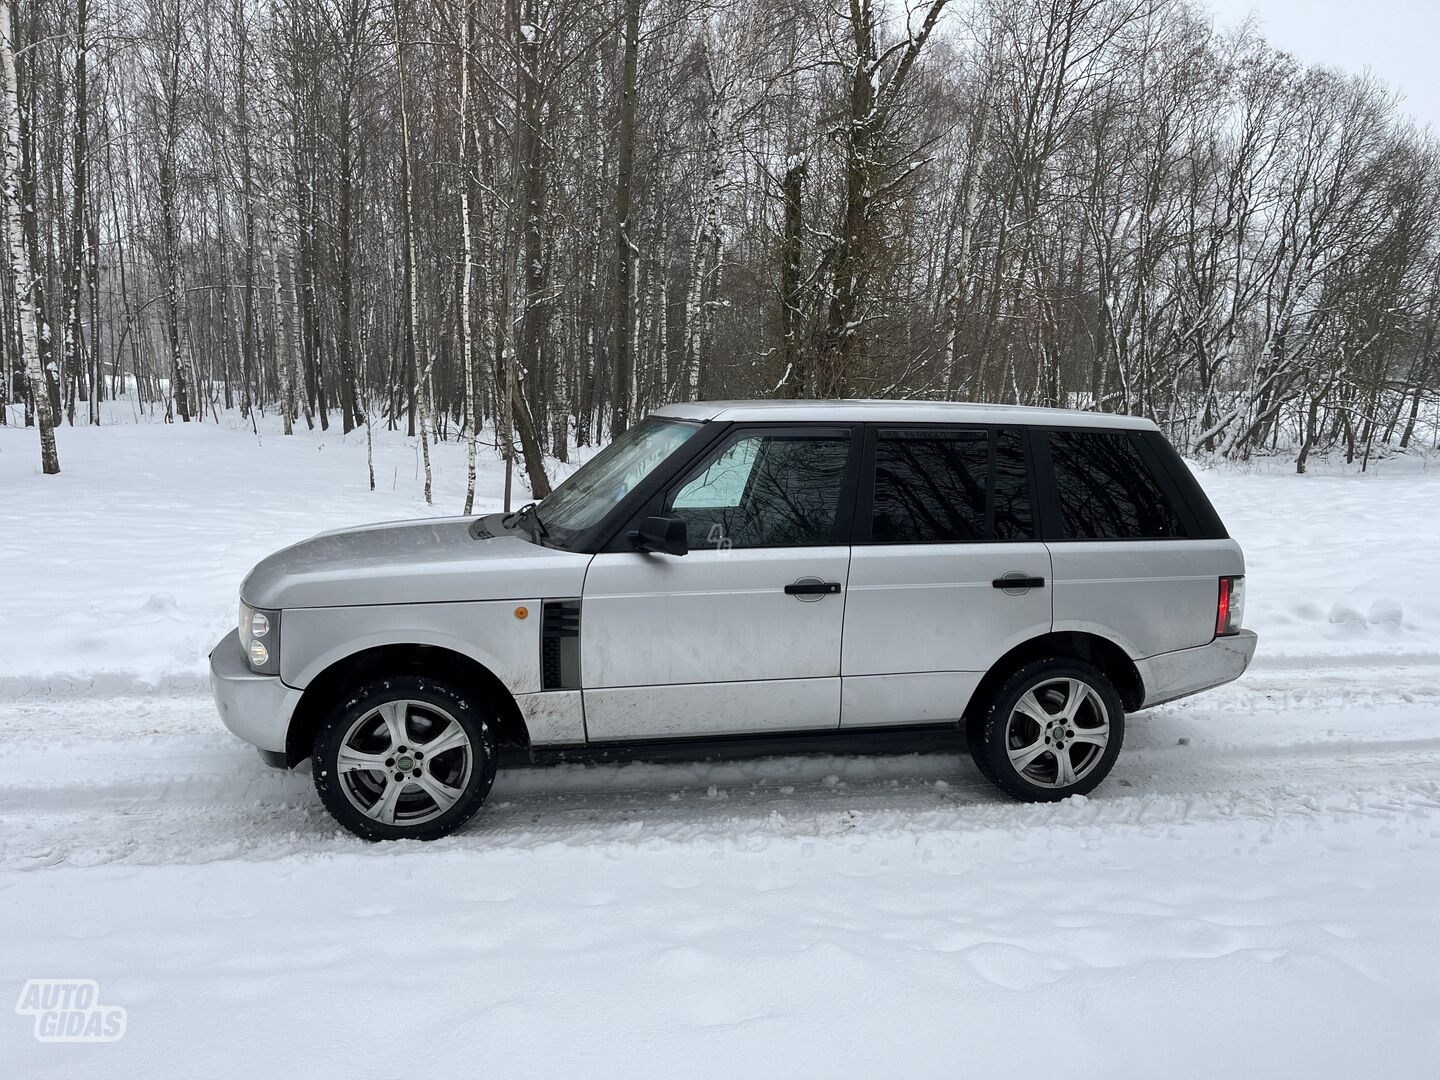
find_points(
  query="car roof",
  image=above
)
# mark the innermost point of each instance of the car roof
(848, 410)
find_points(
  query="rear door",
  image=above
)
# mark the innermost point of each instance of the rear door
(946, 574)
(1133, 560)
(742, 634)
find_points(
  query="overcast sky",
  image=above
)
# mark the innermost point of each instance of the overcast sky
(1398, 40)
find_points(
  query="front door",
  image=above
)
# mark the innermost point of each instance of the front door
(742, 634)
(946, 575)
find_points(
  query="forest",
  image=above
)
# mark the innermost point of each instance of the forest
(531, 221)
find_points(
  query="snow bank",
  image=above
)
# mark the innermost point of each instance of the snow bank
(1337, 564)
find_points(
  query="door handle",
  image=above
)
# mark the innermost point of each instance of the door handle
(812, 587)
(1017, 581)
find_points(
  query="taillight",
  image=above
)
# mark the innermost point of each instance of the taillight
(1230, 607)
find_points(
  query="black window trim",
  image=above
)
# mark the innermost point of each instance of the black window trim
(727, 435)
(611, 533)
(865, 502)
(1042, 480)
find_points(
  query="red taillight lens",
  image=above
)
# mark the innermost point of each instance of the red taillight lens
(1230, 607)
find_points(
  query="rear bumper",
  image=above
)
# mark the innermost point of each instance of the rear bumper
(255, 707)
(1188, 671)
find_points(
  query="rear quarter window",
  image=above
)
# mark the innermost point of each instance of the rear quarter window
(1105, 489)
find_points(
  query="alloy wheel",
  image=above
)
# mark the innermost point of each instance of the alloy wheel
(405, 762)
(1057, 732)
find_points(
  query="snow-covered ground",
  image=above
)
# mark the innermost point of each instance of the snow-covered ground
(1255, 888)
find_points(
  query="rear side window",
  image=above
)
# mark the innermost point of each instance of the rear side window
(956, 486)
(1106, 490)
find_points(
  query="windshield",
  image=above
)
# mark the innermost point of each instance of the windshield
(595, 488)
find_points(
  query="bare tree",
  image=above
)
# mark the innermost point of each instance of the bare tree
(525, 223)
(22, 275)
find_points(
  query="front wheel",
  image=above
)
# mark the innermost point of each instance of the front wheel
(405, 758)
(1053, 729)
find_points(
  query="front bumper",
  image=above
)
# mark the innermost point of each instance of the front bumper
(1177, 674)
(255, 707)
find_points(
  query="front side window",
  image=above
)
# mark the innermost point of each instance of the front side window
(723, 480)
(595, 488)
(1106, 489)
(765, 491)
(937, 486)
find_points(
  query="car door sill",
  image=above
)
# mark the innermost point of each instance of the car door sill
(890, 739)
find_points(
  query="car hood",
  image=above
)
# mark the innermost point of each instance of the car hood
(413, 562)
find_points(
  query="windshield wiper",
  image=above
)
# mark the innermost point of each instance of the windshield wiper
(529, 510)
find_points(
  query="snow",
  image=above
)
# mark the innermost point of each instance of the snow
(1252, 890)
(134, 554)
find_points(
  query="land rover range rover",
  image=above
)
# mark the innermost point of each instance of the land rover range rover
(722, 572)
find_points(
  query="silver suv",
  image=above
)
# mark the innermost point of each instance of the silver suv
(743, 574)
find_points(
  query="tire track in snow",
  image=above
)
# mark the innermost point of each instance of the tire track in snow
(204, 797)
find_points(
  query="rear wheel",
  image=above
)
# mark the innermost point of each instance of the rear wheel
(405, 758)
(1053, 729)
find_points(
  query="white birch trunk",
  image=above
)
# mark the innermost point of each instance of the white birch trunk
(690, 371)
(467, 357)
(422, 372)
(21, 279)
(969, 202)
(278, 240)
(707, 240)
(662, 327)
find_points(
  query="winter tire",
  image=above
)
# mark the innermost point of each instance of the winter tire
(405, 758)
(1053, 729)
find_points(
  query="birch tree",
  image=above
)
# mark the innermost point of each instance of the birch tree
(530, 221)
(467, 188)
(21, 274)
(420, 374)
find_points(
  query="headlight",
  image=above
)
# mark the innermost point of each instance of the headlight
(260, 638)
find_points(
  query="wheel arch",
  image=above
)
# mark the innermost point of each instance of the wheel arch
(463, 672)
(1105, 654)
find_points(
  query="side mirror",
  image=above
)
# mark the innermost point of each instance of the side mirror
(662, 532)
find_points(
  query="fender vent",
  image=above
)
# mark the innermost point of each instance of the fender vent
(560, 645)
